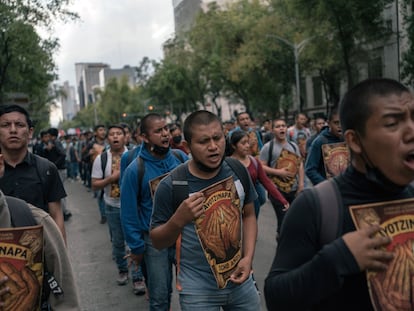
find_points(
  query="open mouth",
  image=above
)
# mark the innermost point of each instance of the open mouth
(410, 158)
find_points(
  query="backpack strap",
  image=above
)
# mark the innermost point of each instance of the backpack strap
(140, 176)
(293, 145)
(254, 160)
(141, 170)
(42, 170)
(104, 160)
(269, 157)
(179, 194)
(179, 184)
(20, 213)
(178, 155)
(241, 173)
(327, 196)
(131, 155)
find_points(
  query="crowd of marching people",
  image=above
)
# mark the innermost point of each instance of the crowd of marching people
(187, 196)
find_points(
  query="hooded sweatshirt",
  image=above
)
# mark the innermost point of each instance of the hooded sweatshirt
(136, 216)
(314, 166)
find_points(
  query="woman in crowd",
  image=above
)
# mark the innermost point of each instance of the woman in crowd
(240, 150)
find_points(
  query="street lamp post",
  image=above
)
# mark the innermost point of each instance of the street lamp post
(297, 48)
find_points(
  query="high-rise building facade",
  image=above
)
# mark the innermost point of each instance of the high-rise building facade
(87, 78)
(68, 101)
(129, 73)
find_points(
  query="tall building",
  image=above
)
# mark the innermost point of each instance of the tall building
(185, 12)
(68, 101)
(87, 78)
(128, 72)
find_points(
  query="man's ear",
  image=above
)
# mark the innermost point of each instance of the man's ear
(144, 138)
(353, 141)
(186, 145)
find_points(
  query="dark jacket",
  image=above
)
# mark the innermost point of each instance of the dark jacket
(306, 275)
(314, 166)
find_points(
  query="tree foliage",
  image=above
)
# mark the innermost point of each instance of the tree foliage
(241, 53)
(116, 103)
(26, 60)
(342, 33)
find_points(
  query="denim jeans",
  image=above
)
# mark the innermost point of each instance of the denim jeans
(117, 237)
(101, 202)
(278, 208)
(242, 298)
(159, 266)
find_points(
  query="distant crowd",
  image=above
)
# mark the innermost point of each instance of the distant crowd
(185, 198)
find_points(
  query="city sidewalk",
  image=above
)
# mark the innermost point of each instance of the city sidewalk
(95, 271)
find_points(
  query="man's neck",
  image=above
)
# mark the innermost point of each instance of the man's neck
(117, 151)
(14, 157)
(195, 171)
(299, 126)
(99, 141)
(280, 141)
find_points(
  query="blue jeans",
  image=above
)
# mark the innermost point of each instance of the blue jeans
(159, 266)
(101, 203)
(117, 237)
(244, 297)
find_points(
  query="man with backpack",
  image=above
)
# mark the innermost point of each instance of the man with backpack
(105, 176)
(155, 159)
(56, 153)
(282, 162)
(27, 176)
(215, 238)
(321, 259)
(314, 165)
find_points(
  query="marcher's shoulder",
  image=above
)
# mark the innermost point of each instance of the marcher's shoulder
(39, 215)
(182, 154)
(131, 170)
(42, 162)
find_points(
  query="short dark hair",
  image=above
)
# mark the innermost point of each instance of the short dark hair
(202, 117)
(243, 112)
(146, 121)
(125, 126)
(117, 126)
(300, 114)
(278, 119)
(16, 108)
(355, 107)
(96, 127)
(53, 131)
(43, 133)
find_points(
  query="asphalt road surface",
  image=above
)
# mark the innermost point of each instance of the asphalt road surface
(96, 273)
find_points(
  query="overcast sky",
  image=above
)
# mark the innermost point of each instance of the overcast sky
(116, 32)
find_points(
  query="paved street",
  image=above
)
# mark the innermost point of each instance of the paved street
(95, 271)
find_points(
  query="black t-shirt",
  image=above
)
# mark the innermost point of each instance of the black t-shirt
(24, 182)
